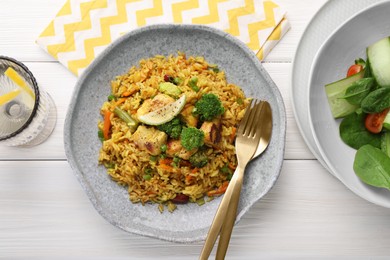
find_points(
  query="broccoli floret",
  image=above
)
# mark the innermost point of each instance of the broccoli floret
(191, 138)
(199, 159)
(172, 128)
(208, 107)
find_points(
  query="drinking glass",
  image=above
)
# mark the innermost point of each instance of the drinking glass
(27, 113)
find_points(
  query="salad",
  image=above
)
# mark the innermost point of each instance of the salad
(362, 101)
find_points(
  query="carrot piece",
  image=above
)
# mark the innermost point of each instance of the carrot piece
(233, 134)
(231, 166)
(126, 94)
(120, 101)
(107, 124)
(189, 178)
(220, 190)
(195, 170)
(166, 167)
(166, 161)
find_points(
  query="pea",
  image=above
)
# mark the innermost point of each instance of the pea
(163, 148)
(111, 97)
(147, 177)
(101, 135)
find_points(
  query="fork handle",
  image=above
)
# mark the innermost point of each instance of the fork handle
(220, 215)
(228, 224)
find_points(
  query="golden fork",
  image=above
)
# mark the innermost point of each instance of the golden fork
(265, 129)
(247, 140)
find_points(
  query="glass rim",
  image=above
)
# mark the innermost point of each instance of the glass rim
(37, 97)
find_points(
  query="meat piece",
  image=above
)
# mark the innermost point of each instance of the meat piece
(174, 148)
(149, 139)
(155, 103)
(188, 117)
(212, 132)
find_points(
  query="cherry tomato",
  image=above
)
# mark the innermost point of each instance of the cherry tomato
(374, 122)
(354, 69)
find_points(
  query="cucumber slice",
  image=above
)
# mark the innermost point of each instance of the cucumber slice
(379, 57)
(336, 91)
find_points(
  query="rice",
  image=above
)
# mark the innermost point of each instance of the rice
(127, 163)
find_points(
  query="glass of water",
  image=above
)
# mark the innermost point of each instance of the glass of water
(27, 113)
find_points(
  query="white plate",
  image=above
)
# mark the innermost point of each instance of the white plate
(339, 51)
(325, 21)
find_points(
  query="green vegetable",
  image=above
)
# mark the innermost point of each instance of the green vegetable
(101, 135)
(177, 81)
(172, 128)
(147, 177)
(153, 158)
(214, 68)
(200, 202)
(240, 101)
(359, 90)
(378, 54)
(336, 91)
(111, 97)
(170, 89)
(376, 101)
(372, 166)
(361, 62)
(386, 122)
(227, 171)
(147, 174)
(208, 107)
(109, 165)
(354, 133)
(367, 70)
(192, 84)
(176, 161)
(163, 148)
(199, 159)
(131, 123)
(191, 138)
(385, 143)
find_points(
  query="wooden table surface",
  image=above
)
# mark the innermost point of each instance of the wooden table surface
(44, 213)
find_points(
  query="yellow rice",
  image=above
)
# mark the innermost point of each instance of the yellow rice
(126, 163)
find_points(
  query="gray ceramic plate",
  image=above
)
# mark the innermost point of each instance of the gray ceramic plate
(331, 64)
(189, 222)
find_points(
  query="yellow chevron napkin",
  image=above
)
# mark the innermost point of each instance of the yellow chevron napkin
(83, 28)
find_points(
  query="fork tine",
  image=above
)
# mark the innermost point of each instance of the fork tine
(241, 127)
(253, 124)
(249, 122)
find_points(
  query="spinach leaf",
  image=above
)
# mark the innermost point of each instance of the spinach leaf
(372, 166)
(377, 101)
(354, 133)
(359, 90)
(367, 69)
(385, 143)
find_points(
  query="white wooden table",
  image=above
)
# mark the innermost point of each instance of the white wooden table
(44, 213)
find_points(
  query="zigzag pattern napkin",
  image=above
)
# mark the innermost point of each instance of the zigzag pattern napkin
(83, 28)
